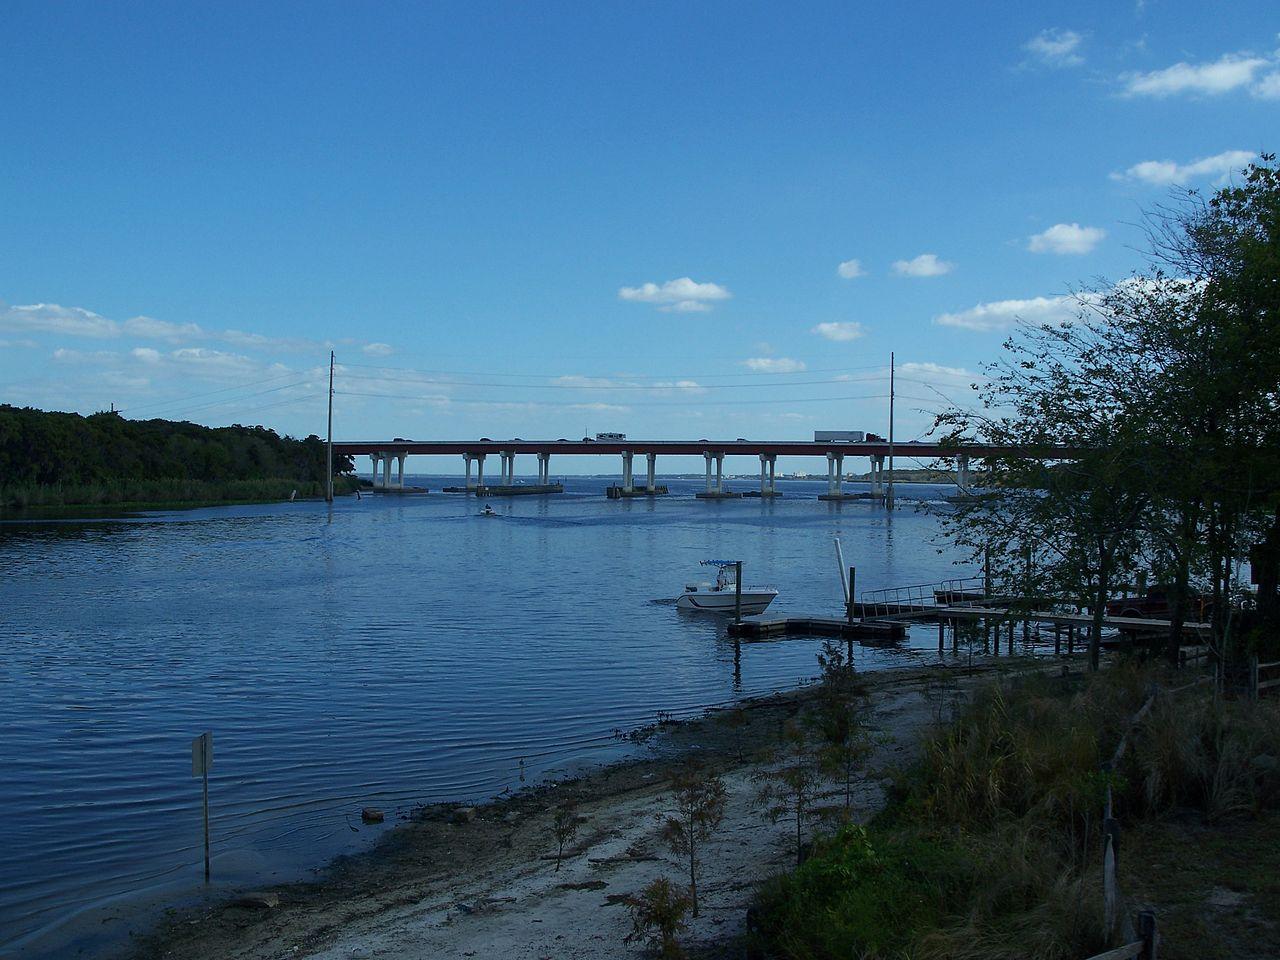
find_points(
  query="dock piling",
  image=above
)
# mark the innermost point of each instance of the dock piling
(737, 592)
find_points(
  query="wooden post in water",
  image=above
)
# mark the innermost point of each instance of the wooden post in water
(1071, 639)
(1057, 639)
(201, 761)
(737, 592)
(853, 572)
(986, 634)
(1011, 636)
(942, 626)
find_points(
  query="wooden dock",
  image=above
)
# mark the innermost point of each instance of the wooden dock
(1127, 624)
(866, 631)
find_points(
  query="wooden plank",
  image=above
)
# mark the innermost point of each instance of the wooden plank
(1122, 953)
(1070, 619)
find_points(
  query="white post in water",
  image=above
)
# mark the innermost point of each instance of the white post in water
(888, 500)
(328, 487)
(201, 761)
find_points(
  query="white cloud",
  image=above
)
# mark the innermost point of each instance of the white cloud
(937, 374)
(149, 328)
(376, 349)
(1003, 314)
(1066, 238)
(146, 354)
(851, 269)
(6, 344)
(925, 265)
(774, 364)
(683, 295)
(1268, 88)
(833, 330)
(213, 362)
(52, 318)
(1165, 173)
(1230, 72)
(1056, 48)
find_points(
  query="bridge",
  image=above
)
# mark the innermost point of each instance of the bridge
(383, 453)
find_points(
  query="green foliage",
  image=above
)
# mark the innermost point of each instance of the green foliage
(862, 894)
(52, 459)
(658, 917)
(844, 744)
(990, 844)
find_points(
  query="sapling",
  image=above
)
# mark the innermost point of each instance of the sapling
(699, 800)
(790, 782)
(844, 744)
(565, 827)
(658, 917)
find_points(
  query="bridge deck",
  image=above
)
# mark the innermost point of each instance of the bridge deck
(810, 448)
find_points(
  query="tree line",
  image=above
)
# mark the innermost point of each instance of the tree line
(44, 450)
(1168, 385)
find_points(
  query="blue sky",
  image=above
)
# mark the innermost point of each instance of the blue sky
(531, 220)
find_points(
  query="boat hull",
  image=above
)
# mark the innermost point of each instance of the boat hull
(712, 601)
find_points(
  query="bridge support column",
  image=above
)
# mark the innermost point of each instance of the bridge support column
(374, 458)
(400, 473)
(962, 475)
(544, 469)
(466, 459)
(719, 473)
(508, 468)
(835, 474)
(628, 484)
(479, 470)
(877, 469)
(386, 471)
(708, 459)
(764, 473)
(653, 463)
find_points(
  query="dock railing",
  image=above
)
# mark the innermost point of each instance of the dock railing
(917, 598)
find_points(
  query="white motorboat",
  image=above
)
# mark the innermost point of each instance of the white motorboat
(721, 596)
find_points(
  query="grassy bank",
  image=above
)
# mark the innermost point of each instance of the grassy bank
(156, 494)
(991, 844)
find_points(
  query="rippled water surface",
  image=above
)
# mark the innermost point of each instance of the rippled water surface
(387, 651)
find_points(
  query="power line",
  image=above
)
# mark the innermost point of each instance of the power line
(614, 386)
(638, 376)
(442, 398)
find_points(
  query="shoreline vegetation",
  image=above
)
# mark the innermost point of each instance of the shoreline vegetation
(61, 463)
(967, 826)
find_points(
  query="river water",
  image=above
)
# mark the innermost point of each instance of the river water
(383, 652)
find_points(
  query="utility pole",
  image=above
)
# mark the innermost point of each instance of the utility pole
(328, 489)
(888, 500)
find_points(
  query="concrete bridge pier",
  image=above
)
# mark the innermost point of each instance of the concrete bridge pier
(628, 473)
(544, 469)
(877, 478)
(652, 486)
(386, 471)
(962, 476)
(768, 475)
(835, 480)
(628, 489)
(508, 468)
(716, 491)
(375, 458)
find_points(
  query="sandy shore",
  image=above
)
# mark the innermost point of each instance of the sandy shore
(488, 886)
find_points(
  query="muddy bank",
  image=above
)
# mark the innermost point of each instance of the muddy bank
(483, 881)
